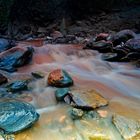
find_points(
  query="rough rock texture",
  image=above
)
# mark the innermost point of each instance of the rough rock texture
(129, 129)
(87, 99)
(59, 78)
(76, 113)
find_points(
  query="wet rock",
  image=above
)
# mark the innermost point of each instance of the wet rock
(122, 36)
(3, 79)
(122, 52)
(86, 99)
(132, 56)
(76, 113)
(101, 46)
(4, 45)
(15, 57)
(59, 78)
(133, 45)
(38, 74)
(17, 86)
(110, 57)
(101, 36)
(128, 128)
(61, 93)
(16, 116)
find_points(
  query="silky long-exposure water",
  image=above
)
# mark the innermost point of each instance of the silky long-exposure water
(118, 82)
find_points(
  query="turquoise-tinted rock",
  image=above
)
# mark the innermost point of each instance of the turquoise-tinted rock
(60, 78)
(61, 93)
(16, 116)
(17, 86)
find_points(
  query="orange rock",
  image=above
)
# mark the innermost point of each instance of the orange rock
(59, 78)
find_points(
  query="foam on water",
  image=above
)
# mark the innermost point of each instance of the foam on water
(119, 82)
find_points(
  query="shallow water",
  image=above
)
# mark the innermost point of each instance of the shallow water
(118, 82)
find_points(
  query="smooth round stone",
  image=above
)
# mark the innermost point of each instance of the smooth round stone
(16, 116)
(17, 86)
(110, 57)
(3, 79)
(59, 78)
(123, 36)
(61, 93)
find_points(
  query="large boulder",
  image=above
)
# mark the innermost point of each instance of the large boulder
(16, 116)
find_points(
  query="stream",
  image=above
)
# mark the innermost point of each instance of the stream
(117, 82)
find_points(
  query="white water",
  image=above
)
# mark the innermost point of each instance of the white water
(119, 82)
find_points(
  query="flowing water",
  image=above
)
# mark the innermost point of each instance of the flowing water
(118, 82)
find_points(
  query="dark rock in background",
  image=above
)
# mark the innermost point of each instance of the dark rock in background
(16, 57)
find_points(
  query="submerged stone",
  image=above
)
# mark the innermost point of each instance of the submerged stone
(86, 99)
(76, 113)
(38, 74)
(99, 138)
(17, 86)
(15, 57)
(59, 78)
(61, 93)
(3, 79)
(16, 116)
(102, 113)
(128, 128)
